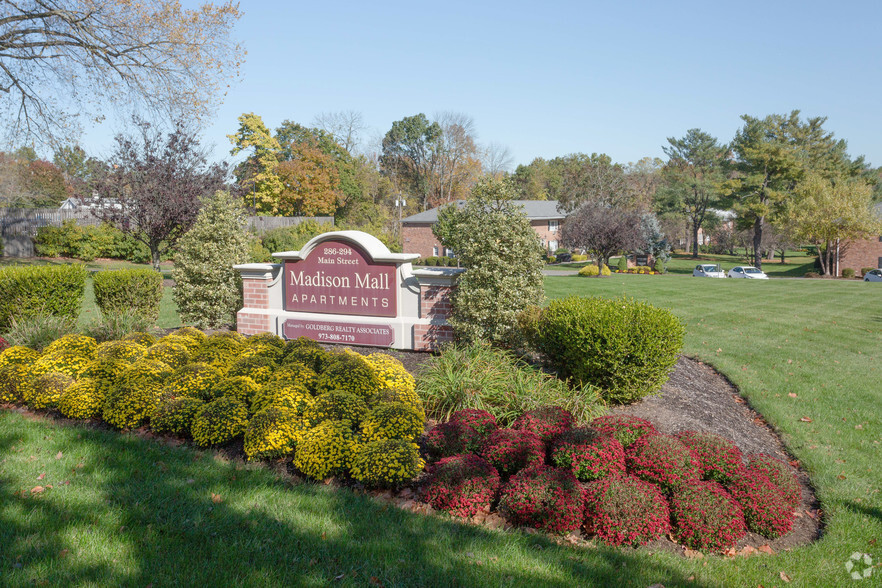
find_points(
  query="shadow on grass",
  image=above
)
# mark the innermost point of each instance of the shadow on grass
(870, 511)
(137, 512)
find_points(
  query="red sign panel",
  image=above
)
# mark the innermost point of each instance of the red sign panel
(338, 278)
(328, 332)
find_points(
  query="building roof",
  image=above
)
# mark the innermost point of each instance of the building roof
(534, 209)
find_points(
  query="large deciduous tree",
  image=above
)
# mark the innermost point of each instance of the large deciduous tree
(407, 157)
(694, 174)
(603, 230)
(155, 184)
(64, 61)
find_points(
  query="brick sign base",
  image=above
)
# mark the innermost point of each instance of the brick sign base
(334, 332)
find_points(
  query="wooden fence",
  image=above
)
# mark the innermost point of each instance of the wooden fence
(18, 226)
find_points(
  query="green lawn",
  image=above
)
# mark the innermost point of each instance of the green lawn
(124, 510)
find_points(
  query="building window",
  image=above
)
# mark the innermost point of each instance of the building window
(552, 246)
(448, 252)
(553, 226)
(435, 251)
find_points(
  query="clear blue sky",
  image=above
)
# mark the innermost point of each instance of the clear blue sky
(547, 79)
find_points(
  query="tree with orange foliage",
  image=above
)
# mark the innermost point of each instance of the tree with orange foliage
(310, 183)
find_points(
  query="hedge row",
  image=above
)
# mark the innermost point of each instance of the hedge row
(129, 290)
(50, 289)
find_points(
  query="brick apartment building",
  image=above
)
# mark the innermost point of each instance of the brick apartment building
(417, 237)
(864, 253)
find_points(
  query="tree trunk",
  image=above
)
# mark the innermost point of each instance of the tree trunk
(154, 254)
(694, 240)
(757, 242)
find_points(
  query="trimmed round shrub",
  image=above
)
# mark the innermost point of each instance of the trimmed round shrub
(625, 510)
(336, 405)
(663, 460)
(169, 350)
(547, 422)
(452, 438)
(509, 450)
(190, 342)
(219, 421)
(82, 345)
(780, 474)
(718, 458)
(394, 420)
(135, 394)
(705, 516)
(351, 373)
(191, 332)
(462, 485)
(265, 339)
(141, 338)
(124, 350)
(590, 270)
(382, 463)
(82, 400)
(241, 388)
(625, 428)
(543, 497)
(18, 354)
(13, 379)
(219, 352)
(293, 396)
(409, 397)
(175, 415)
(295, 372)
(71, 363)
(233, 336)
(198, 380)
(257, 368)
(391, 373)
(312, 356)
(273, 432)
(766, 511)
(588, 454)
(46, 390)
(326, 450)
(625, 347)
(274, 354)
(480, 420)
(105, 371)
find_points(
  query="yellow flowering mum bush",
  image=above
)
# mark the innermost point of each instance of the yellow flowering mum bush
(198, 380)
(274, 354)
(82, 400)
(391, 372)
(219, 352)
(393, 420)
(336, 405)
(175, 415)
(125, 350)
(46, 389)
(326, 450)
(219, 421)
(74, 343)
(386, 462)
(258, 368)
(136, 394)
(351, 373)
(105, 371)
(191, 332)
(293, 396)
(266, 339)
(172, 351)
(141, 338)
(242, 388)
(71, 363)
(311, 356)
(295, 372)
(18, 354)
(273, 432)
(13, 377)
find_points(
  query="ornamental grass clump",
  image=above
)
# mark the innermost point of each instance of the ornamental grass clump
(135, 394)
(258, 368)
(780, 474)
(705, 516)
(219, 421)
(462, 485)
(510, 451)
(293, 396)
(242, 388)
(198, 380)
(129, 351)
(547, 422)
(625, 428)
(589, 454)
(326, 450)
(480, 420)
(718, 458)
(766, 511)
(543, 497)
(625, 510)
(273, 432)
(384, 463)
(169, 350)
(82, 399)
(452, 438)
(393, 420)
(175, 415)
(46, 389)
(336, 405)
(663, 460)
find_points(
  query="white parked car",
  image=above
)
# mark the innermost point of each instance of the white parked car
(873, 276)
(708, 271)
(747, 271)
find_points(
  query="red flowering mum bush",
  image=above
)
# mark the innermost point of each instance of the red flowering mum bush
(509, 450)
(626, 429)
(626, 511)
(3, 344)
(462, 485)
(543, 497)
(766, 511)
(451, 438)
(662, 460)
(589, 454)
(779, 473)
(547, 422)
(705, 516)
(480, 420)
(719, 460)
